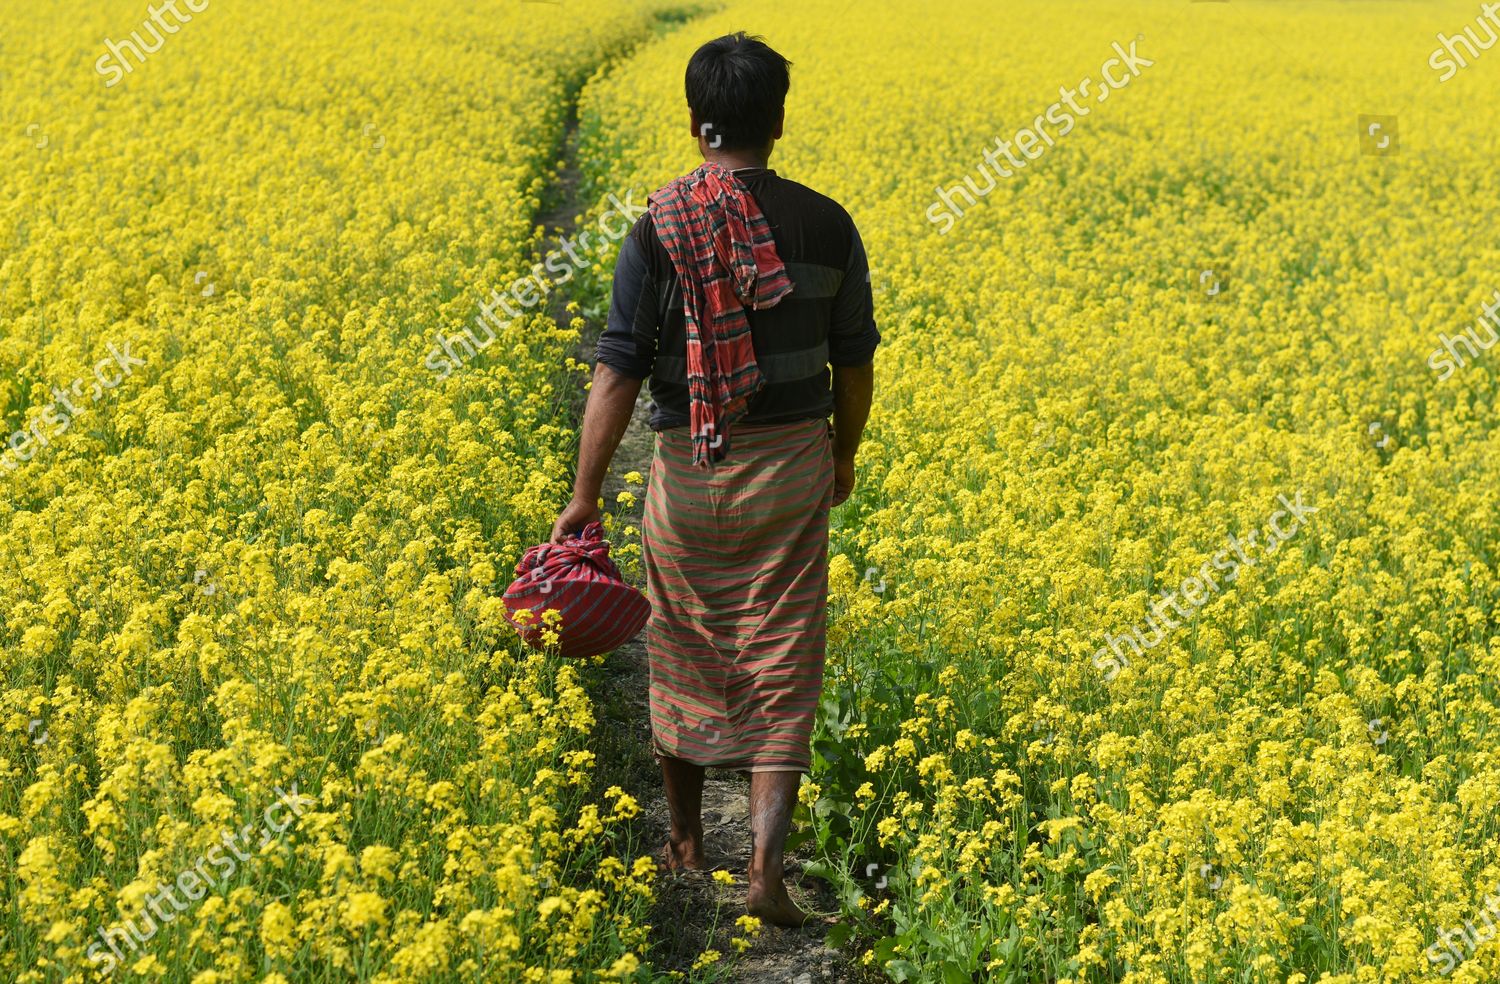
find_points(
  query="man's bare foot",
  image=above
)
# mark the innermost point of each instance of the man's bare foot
(685, 854)
(770, 902)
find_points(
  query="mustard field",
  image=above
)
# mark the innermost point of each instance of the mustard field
(1163, 641)
(270, 557)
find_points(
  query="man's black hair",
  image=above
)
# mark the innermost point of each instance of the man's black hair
(737, 86)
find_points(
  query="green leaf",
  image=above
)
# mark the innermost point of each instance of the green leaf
(819, 869)
(955, 974)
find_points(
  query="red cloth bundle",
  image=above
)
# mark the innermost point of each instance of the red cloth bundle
(575, 578)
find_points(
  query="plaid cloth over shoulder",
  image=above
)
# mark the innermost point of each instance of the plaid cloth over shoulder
(725, 258)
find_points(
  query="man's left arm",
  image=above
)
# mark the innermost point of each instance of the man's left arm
(605, 418)
(625, 356)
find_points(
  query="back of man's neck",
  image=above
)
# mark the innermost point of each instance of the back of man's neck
(739, 161)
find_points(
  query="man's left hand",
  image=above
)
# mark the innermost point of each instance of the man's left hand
(575, 516)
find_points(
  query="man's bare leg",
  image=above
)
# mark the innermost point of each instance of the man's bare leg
(683, 782)
(772, 797)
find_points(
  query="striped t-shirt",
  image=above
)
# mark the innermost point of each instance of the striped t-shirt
(827, 320)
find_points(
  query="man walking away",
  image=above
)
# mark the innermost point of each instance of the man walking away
(735, 295)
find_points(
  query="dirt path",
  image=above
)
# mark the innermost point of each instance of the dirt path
(692, 911)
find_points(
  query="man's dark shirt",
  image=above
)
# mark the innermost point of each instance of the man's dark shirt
(827, 319)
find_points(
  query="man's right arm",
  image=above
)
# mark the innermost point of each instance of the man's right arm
(853, 393)
(852, 338)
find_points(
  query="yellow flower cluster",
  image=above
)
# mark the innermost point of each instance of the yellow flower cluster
(1219, 287)
(273, 553)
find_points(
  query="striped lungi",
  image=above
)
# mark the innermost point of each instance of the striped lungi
(736, 559)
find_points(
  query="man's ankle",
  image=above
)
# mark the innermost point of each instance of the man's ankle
(765, 872)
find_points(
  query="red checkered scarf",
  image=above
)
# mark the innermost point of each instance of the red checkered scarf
(722, 250)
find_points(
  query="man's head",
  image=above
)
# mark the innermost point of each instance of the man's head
(736, 89)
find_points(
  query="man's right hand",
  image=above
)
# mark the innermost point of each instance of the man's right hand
(853, 392)
(843, 479)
